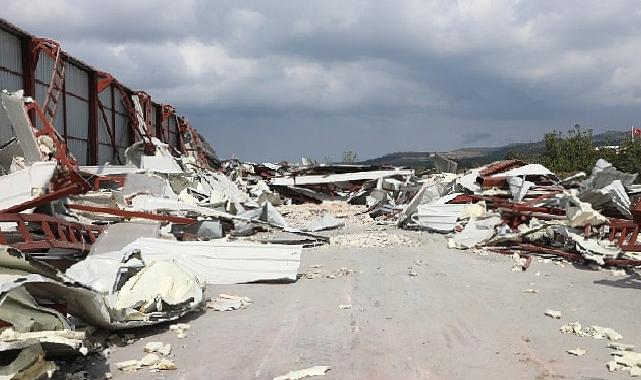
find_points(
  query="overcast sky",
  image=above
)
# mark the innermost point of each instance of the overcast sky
(274, 80)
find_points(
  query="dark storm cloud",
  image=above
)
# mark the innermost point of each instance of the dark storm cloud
(475, 137)
(277, 80)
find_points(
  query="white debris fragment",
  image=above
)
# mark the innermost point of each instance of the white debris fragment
(530, 291)
(553, 313)
(617, 272)
(373, 240)
(598, 332)
(345, 307)
(576, 352)
(179, 329)
(630, 360)
(179, 326)
(164, 365)
(128, 365)
(318, 273)
(621, 346)
(518, 263)
(225, 302)
(160, 347)
(318, 370)
(149, 360)
(612, 366)
(572, 328)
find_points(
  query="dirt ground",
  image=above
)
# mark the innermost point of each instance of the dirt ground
(459, 316)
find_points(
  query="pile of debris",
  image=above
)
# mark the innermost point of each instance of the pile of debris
(121, 246)
(116, 246)
(514, 207)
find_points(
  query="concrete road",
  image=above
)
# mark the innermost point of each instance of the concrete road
(463, 316)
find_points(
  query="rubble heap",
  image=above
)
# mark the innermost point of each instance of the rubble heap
(121, 246)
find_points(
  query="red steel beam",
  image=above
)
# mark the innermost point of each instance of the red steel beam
(133, 214)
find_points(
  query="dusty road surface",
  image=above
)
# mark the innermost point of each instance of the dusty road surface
(459, 316)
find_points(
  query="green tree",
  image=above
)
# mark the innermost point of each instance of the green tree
(512, 155)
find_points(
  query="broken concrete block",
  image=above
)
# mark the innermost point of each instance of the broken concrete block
(576, 352)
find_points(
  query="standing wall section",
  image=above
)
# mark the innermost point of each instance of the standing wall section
(10, 74)
(79, 118)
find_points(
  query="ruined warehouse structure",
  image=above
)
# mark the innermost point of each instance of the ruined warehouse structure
(90, 109)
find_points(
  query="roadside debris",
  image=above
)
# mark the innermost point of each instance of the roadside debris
(627, 361)
(225, 302)
(596, 332)
(318, 370)
(576, 352)
(180, 329)
(621, 346)
(160, 347)
(315, 272)
(150, 360)
(379, 239)
(553, 313)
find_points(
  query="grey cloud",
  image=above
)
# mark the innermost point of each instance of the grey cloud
(276, 80)
(475, 137)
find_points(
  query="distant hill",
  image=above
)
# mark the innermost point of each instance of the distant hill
(470, 157)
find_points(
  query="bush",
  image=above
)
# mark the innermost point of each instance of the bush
(628, 157)
(569, 153)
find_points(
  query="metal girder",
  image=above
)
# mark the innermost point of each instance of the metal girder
(132, 214)
(36, 232)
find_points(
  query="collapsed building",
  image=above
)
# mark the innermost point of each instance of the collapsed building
(116, 213)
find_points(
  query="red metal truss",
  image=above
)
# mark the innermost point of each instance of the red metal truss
(132, 214)
(53, 50)
(196, 145)
(166, 111)
(625, 232)
(142, 130)
(36, 232)
(500, 167)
